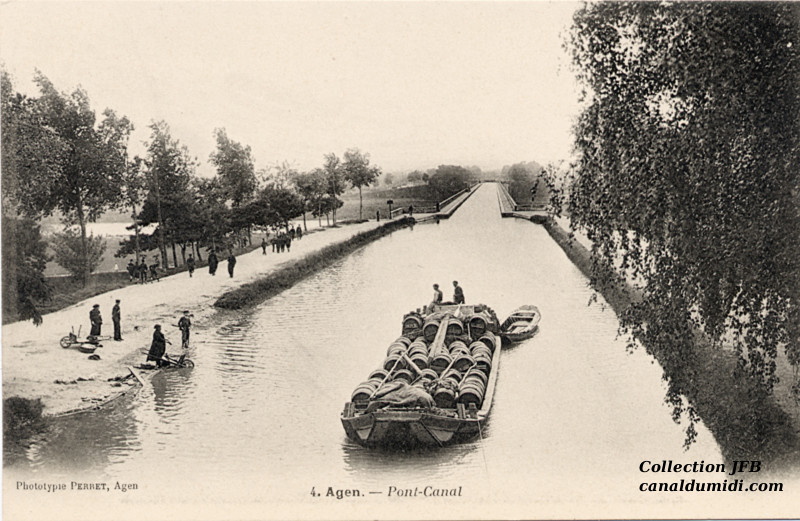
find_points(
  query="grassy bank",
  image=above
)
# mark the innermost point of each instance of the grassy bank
(746, 422)
(22, 419)
(284, 278)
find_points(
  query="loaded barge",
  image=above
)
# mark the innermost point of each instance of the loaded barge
(436, 384)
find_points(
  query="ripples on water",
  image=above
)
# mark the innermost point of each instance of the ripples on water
(265, 397)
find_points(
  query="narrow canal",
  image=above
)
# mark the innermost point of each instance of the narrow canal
(258, 419)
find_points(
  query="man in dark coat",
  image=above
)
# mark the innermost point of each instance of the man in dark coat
(116, 318)
(132, 270)
(458, 293)
(190, 264)
(299, 232)
(143, 270)
(231, 263)
(264, 246)
(158, 347)
(212, 263)
(96, 320)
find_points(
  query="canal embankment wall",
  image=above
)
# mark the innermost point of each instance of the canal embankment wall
(747, 423)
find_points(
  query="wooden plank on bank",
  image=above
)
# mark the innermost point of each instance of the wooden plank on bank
(136, 375)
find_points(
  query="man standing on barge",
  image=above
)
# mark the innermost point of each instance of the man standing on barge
(458, 293)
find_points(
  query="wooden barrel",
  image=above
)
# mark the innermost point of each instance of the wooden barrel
(479, 374)
(445, 398)
(378, 373)
(429, 374)
(454, 327)
(420, 360)
(480, 348)
(462, 362)
(364, 391)
(490, 342)
(458, 347)
(473, 380)
(390, 360)
(403, 340)
(417, 348)
(453, 374)
(396, 349)
(470, 394)
(477, 326)
(430, 329)
(404, 374)
(412, 322)
(440, 362)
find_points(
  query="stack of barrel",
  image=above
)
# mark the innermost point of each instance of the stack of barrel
(453, 372)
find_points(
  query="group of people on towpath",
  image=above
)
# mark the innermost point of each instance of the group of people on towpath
(283, 241)
(142, 272)
(158, 346)
(458, 294)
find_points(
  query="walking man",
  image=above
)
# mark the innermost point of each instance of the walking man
(231, 263)
(96, 320)
(131, 269)
(458, 293)
(212, 263)
(190, 264)
(264, 246)
(184, 324)
(116, 319)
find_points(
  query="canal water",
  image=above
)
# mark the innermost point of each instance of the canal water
(257, 420)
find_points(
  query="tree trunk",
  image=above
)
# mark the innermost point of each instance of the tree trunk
(84, 248)
(197, 252)
(183, 252)
(162, 246)
(360, 204)
(305, 226)
(136, 231)
(174, 255)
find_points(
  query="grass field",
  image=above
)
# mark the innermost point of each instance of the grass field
(376, 200)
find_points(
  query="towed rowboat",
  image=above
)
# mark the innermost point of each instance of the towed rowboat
(521, 325)
(436, 384)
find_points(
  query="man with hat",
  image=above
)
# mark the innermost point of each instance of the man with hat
(184, 324)
(96, 320)
(115, 317)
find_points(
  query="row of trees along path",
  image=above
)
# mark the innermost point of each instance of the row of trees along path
(57, 158)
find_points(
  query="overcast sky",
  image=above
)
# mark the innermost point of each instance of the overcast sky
(413, 84)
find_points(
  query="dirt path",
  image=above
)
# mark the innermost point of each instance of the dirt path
(33, 361)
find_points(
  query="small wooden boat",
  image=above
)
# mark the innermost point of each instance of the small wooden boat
(521, 325)
(436, 384)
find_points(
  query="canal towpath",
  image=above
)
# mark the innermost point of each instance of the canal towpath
(35, 366)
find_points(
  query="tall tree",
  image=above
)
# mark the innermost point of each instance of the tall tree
(312, 187)
(31, 159)
(359, 173)
(235, 168)
(689, 144)
(335, 179)
(89, 179)
(170, 169)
